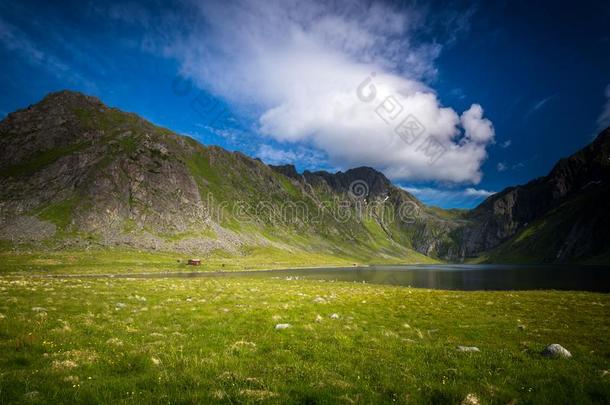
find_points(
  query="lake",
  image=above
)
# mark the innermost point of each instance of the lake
(443, 277)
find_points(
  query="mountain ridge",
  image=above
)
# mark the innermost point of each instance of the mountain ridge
(74, 172)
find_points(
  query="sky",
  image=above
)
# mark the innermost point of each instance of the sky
(452, 101)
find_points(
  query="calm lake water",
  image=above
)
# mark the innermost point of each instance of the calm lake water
(444, 277)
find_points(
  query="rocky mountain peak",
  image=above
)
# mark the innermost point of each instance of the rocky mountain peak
(71, 97)
(376, 182)
(286, 170)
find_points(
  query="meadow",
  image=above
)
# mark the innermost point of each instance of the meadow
(126, 261)
(108, 340)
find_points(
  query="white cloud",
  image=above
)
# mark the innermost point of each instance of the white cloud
(539, 104)
(478, 129)
(272, 155)
(297, 65)
(472, 192)
(506, 143)
(300, 155)
(449, 197)
(501, 167)
(603, 121)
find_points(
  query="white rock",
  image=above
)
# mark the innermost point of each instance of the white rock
(281, 326)
(318, 318)
(39, 309)
(334, 316)
(557, 351)
(470, 399)
(468, 349)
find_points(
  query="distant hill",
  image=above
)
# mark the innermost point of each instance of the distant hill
(75, 173)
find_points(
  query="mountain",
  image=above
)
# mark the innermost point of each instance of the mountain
(75, 173)
(561, 217)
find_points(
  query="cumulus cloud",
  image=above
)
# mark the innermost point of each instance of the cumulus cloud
(340, 77)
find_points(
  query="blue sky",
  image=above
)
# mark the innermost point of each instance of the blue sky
(504, 88)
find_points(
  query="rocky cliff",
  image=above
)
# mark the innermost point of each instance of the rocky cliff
(559, 217)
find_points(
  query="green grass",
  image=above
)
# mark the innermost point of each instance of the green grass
(39, 161)
(133, 261)
(204, 340)
(60, 213)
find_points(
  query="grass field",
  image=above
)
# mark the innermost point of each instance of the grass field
(122, 261)
(202, 340)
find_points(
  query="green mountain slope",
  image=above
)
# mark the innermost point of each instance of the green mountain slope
(561, 217)
(77, 174)
(574, 231)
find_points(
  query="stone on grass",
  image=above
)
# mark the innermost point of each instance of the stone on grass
(334, 316)
(556, 351)
(468, 349)
(281, 326)
(471, 399)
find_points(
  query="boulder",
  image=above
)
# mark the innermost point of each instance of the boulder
(468, 349)
(556, 351)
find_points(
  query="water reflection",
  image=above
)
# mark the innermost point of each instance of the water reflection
(446, 277)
